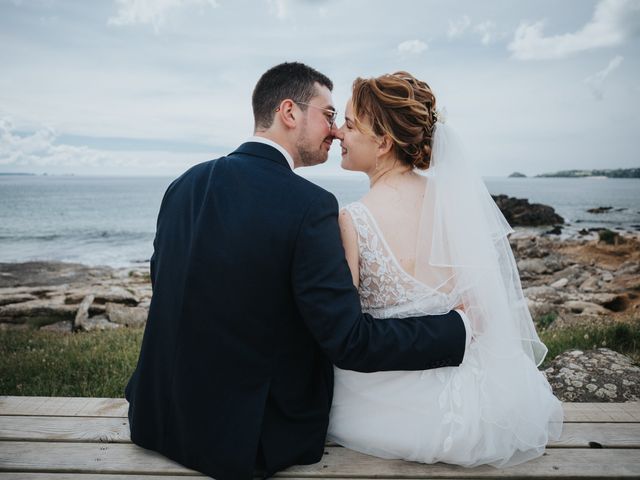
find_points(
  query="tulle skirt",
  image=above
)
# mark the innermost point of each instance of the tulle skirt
(490, 410)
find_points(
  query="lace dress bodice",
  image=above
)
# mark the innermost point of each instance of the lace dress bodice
(386, 289)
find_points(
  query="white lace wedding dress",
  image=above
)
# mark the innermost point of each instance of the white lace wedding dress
(492, 409)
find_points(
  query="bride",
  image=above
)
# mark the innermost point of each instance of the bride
(427, 243)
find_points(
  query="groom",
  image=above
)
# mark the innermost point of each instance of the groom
(253, 301)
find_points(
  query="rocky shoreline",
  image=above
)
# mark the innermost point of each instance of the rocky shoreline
(67, 297)
(577, 282)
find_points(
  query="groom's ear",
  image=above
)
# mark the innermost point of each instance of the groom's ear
(385, 145)
(285, 113)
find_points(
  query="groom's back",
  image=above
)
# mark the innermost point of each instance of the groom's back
(226, 357)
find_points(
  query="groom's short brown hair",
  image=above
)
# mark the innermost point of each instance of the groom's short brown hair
(292, 80)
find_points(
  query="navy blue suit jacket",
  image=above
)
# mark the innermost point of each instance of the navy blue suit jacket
(252, 303)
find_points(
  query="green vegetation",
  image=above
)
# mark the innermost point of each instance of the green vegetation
(621, 337)
(545, 320)
(610, 173)
(96, 364)
(607, 236)
(99, 364)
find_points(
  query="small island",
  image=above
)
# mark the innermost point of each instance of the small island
(517, 175)
(608, 173)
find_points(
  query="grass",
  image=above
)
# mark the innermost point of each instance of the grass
(95, 364)
(621, 337)
(99, 364)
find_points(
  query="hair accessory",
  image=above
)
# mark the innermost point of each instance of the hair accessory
(441, 115)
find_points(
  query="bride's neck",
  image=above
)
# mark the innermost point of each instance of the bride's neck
(388, 172)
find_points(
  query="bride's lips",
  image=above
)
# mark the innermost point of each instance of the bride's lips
(328, 143)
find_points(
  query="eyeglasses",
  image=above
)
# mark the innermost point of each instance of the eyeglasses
(330, 119)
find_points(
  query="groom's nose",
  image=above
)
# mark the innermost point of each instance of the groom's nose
(336, 132)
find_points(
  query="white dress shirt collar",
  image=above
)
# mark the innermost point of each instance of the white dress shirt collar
(275, 145)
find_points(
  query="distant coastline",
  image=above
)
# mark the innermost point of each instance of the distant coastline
(607, 173)
(18, 174)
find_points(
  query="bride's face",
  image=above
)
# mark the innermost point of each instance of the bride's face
(359, 149)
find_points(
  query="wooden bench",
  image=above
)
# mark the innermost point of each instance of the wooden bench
(83, 438)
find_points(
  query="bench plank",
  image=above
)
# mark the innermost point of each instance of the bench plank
(602, 412)
(64, 406)
(91, 476)
(94, 458)
(65, 429)
(116, 430)
(117, 407)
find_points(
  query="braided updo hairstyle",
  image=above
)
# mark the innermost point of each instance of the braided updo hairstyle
(402, 107)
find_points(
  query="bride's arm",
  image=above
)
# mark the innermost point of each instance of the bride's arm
(350, 244)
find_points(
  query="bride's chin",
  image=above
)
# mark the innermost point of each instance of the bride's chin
(345, 165)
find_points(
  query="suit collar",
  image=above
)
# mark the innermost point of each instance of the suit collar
(259, 149)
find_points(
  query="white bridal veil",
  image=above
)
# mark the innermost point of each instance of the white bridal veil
(463, 250)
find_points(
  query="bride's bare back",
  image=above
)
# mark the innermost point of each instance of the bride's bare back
(395, 203)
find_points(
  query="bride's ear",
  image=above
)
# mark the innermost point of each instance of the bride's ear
(385, 145)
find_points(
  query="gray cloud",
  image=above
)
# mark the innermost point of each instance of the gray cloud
(613, 22)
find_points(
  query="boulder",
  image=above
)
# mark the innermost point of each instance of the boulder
(543, 293)
(532, 266)
(65, 326)
(599, 209)
(560, 283)
(82, 315)
(600, 375)
(585, 308)
(48, 273)
(591, 284)
(129, 316)
(519, 212)
(99, 322)
(48, 310)
(103, 294)
(6, 299)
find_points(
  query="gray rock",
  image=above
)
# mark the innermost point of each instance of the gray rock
(539, 309)
(600, 375)
(48, 273)
(519, 212)
(104, 294)
(563, 282)
(553, 262)
(65, 326)
(607, 276)
(40, 311)
(591, 284)
(585, 308)
(16, 298)
(98, 323)
(82, 315)
(543, 293)
(129, 316)
(629, 267)
(532, 266)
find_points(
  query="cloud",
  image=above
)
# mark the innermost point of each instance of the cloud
(280, 8)
(612, 23)
(151, 12)
(596, 81)
(39, 151)
(412, 47)
(487, 31)
(458, 27)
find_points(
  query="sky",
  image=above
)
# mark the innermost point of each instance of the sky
(152, 87)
